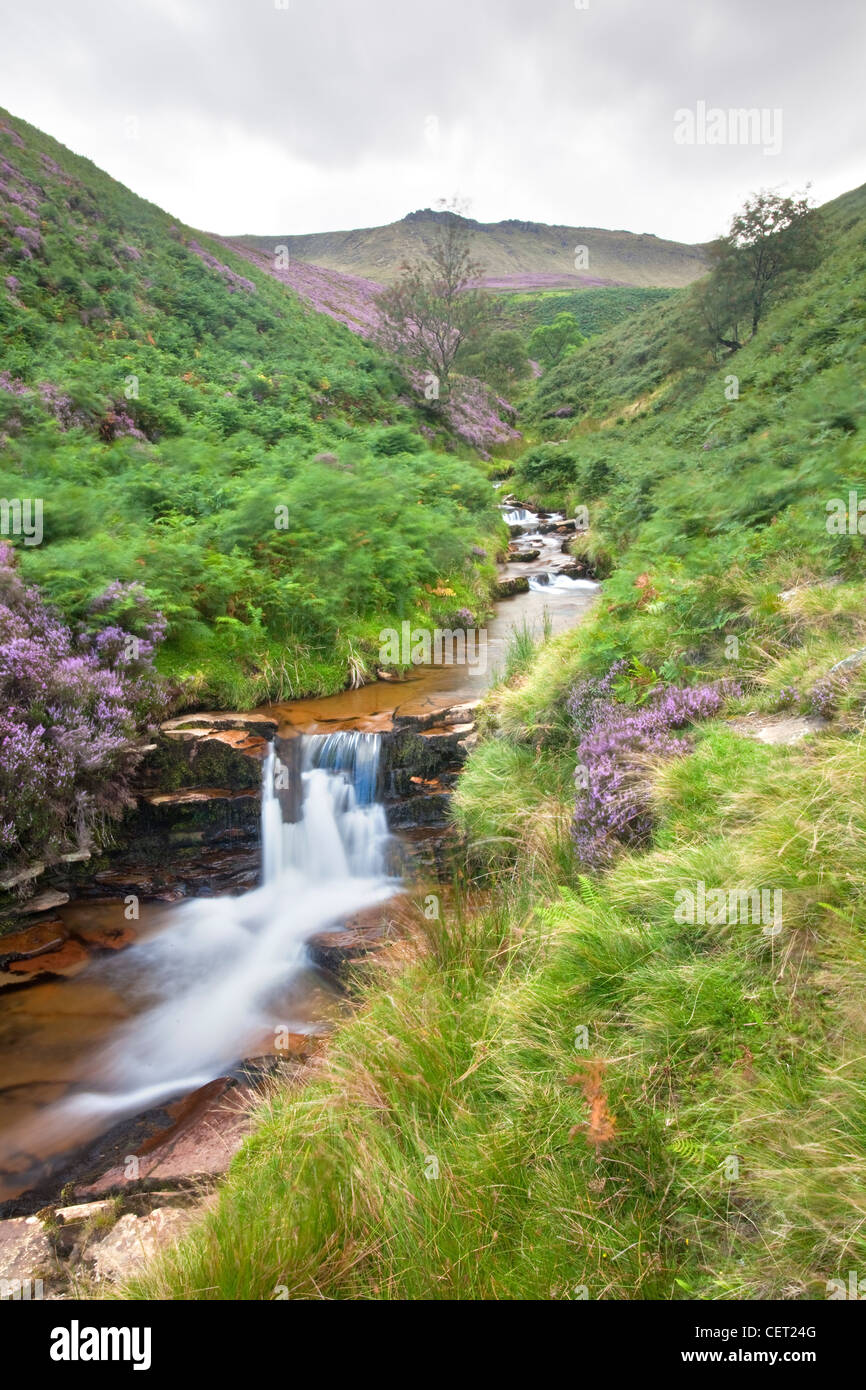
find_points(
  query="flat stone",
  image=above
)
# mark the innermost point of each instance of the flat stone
(277, 1043)
(242, 741)
(69, 959)
(209, 1127)
(461, 714)
(188, 796)
(33, 941)
(25, 1250)
(362, 934)
(81, 1212)
(260, 724)
(44, 902)
(779, 730)
(134, 1240)
(19, 876)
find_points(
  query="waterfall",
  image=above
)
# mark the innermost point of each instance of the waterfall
(343, 832)
(216, 976)
(518, 516)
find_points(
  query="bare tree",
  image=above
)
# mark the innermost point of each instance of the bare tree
(435, 308)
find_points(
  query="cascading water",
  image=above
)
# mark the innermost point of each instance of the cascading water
(216, 974)
(343, 832)
(549, 579)
(518, 516)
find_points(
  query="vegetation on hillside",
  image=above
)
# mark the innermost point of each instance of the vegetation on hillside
(571, 1087)
(514, 254)
(188, 425)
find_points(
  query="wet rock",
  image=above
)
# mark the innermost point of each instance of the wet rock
(507, 587)
(362, 934)
(68, 959)
(229, 759)
(134, 1240)
(290, 795)
(32, 941)
(577, 570)
(25, 1250)
(277, 1043)
(522, 556)
(463, 713)
(260, 724)
(193, 868)
(411, 812)
(207, 1129)
(106, 936)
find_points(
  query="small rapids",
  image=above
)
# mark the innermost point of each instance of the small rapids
(551, 580)
(518, 516)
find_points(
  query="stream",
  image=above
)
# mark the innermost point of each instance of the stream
(208, 982)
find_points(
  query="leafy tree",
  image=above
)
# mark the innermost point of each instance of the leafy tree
(500, 359)
(433, 310)
(770, 239)
(550, 341)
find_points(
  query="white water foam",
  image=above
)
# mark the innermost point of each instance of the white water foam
(215, 974)
(551, 580)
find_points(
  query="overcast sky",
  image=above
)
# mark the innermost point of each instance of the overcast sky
(284, 116)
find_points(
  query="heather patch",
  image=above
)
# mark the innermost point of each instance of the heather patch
(71, 703)
(617, 745)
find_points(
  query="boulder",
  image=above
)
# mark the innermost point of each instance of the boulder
(134, 1240)
(507, 587)
(25, 1250)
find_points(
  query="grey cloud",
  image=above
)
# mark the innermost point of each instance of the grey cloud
(563, 113)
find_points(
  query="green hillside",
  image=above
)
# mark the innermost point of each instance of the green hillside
(595, 309)
(575, 1089)
(528, 255)
(189, 423)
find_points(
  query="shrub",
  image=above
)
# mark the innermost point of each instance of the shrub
(70, 702)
